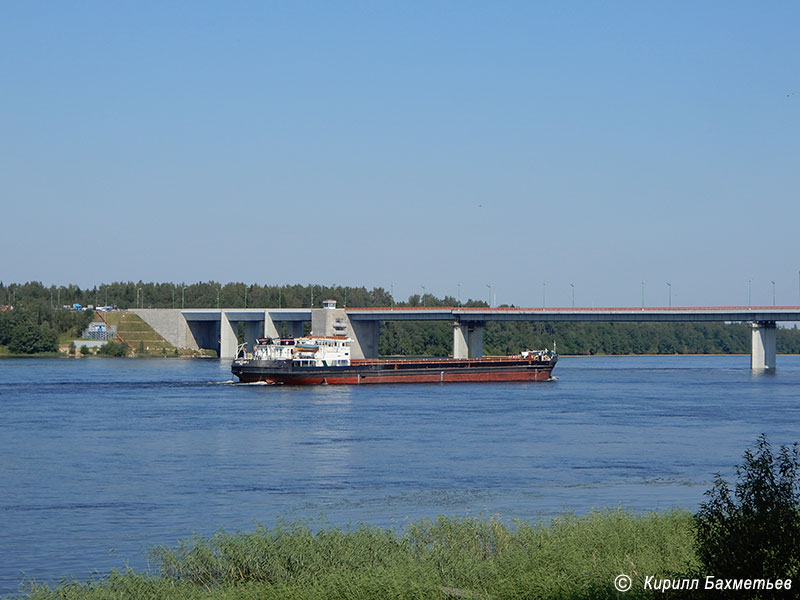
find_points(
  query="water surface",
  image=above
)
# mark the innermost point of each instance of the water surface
(102, 458)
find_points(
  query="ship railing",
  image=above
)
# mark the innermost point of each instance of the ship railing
(430, 360)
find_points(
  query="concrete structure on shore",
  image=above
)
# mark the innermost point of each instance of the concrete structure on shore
(218, 328)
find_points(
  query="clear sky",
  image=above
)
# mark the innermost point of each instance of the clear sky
(406, 144)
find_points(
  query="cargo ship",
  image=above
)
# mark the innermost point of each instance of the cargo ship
(320, 360)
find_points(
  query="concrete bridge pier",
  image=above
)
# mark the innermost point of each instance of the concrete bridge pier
(763, 346)
(468, 339)
(270, 329)
(273, 327)
(228, 340)
(256, 325)
(365, 339)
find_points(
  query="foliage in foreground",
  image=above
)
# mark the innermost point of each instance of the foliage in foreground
(754, 531)
(570, 558)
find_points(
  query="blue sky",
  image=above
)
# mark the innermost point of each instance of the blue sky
(406, 145)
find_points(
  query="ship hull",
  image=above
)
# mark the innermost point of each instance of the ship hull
(397, 371)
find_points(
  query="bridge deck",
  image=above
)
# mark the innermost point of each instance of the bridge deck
(623, 314)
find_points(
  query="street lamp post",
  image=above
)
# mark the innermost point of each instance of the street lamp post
(183, 296)
(643, 282)
(572, 285)
(219, 291)
(544, 294)
(490, 294)
(423, 294)
(750, 293)
(669, 286)
(245, 295)
(459, 293)
(773, 293)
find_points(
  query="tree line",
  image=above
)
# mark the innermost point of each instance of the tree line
(38, 319)
(34, 327)
(500, 338)
(211, 294)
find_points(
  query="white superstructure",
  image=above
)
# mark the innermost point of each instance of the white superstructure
(311, 351)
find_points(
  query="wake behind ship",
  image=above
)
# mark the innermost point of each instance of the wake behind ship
(318, 360)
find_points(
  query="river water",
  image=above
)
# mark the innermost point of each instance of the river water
(100, 459)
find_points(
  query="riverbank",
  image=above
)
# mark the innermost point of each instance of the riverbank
(571, 557)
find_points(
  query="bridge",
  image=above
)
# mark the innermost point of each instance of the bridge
(218, 328)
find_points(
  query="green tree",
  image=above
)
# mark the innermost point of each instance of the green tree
(754, 531)
(28, 338)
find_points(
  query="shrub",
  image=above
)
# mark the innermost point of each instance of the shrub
(85, 351)
(754, 532)
(113, 348)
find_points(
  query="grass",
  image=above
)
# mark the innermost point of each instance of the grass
(569, 558)
(142, 337)
(144, 340)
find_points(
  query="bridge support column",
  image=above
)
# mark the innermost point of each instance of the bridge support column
(467, 340)
(270, 330)
(365, 339)
(763, 346)
(228, 340)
